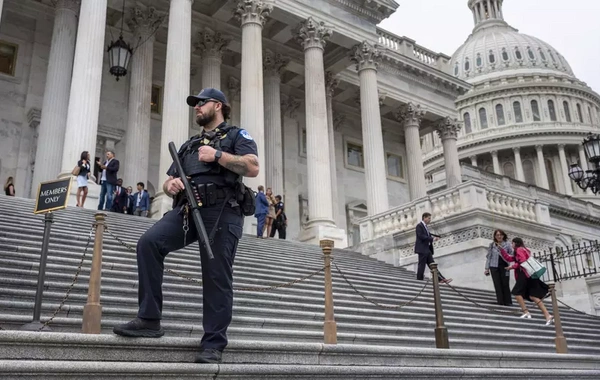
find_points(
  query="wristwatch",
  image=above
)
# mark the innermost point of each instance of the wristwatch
(218, 155)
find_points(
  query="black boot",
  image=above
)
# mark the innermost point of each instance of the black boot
(210, 356)
(140, 328)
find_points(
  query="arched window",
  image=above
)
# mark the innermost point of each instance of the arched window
(456, 68)
(518, 113)
(467, 64)
(518, 54)
(552, 56)
(467, 119)
(551, 110)
(567, 111)
(478, 60)
(530, 54)
(509, 169)
(500, 114)
(492, 57)
(550, 172)
(590, 115)
(483, 118)
(529, 172)
(535, 110)
(579, 113)
(542, 54)
(504, 55)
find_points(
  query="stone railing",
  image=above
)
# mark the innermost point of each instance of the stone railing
(468, 196)
(409, 48)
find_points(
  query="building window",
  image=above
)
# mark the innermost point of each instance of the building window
(551, 110)
(456, 68)
(354, 155)
(567, 111)
(500, 114)
(155, 99)
(8, 58)
(535, 110)
(530, 53)
(467, 64)
(542, 55)
(550, 172)
(303, 142)
(552, 56)
(529, 172)
(467, 119)
(509, 169)
(504, 55)
(579, 113)
(590, 115)
(483, 118)
(518, 54)
(518, 113)
(492, 57)
(394, 166)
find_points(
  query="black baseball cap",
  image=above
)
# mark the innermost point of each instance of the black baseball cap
(207, 93)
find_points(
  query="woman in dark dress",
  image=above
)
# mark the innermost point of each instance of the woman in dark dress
(9, 187)
(496, 266)
(531, 289)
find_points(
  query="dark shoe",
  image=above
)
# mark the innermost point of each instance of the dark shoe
(140, 328)
(210, 356)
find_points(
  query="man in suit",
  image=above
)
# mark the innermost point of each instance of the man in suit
(120, 198)
(424, 247)
(141, 201)
(108, 180)
(262, 208)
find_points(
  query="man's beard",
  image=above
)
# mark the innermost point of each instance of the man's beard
(205, 119)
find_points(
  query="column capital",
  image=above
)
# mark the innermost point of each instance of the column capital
(311, 33)
(234, 87)
(494, 153)
(290, 105)
(211, 43)
(274, 63)
(331, 83)
(71, 5)
(517, 149)
(410, 114)
(252, 12)
(539, 148)
(448, 128)
(338, 120)
(561, 146)
(144, 22)
(365, 56)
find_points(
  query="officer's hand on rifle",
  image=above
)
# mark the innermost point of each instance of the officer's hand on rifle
(173, 186)
(206, 153)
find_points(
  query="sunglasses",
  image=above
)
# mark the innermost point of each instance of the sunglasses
(204, 101)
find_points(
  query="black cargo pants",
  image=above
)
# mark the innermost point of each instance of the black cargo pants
(166, 236)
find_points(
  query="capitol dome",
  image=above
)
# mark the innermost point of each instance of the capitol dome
(496, 49)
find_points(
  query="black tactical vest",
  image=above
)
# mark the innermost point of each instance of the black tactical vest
(222, 138)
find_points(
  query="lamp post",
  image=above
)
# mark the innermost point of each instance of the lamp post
(588, 179)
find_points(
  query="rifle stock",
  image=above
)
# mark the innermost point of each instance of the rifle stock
(194, 205)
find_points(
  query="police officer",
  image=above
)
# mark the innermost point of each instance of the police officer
(214, 160)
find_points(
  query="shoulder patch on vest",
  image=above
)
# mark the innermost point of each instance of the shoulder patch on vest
(245, 134)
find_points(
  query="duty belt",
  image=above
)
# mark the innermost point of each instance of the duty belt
(209, 193)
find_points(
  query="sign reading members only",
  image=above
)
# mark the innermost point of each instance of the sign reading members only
(52, 195)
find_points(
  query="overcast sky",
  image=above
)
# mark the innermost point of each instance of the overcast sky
(571, 26)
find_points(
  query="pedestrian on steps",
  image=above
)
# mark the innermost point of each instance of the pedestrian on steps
(9, 187)
(215, 161)
(496, 266)
(531, 289)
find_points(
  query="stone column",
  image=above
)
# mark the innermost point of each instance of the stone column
(211, 45)
(496, 162)
(542, 167)
(331, 82)
(312, 35)
(367, 58)
(55, 105)
(410, 115)
(565, 169)
(233, 85)
(448, 129)
(473, 160)
(84, 96)
(519, 164)
(1, 3)
(273, 64)
(143, 23)
(175, 124)
(252, 15)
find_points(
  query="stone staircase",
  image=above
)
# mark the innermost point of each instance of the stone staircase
(275, 334)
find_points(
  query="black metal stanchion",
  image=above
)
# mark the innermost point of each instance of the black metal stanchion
(37, 308)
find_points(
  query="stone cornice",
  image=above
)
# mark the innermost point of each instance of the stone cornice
(562, 211)
(110, 133)
(373, 10)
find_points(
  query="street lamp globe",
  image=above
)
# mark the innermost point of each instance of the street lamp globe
(576, 173)
(591, 145)
(119, 54)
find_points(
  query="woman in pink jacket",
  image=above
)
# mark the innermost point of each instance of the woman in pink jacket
(531, 289)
